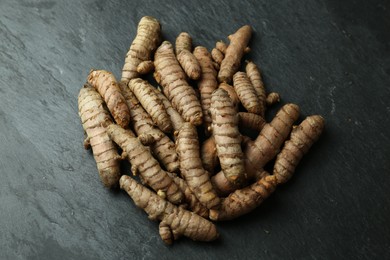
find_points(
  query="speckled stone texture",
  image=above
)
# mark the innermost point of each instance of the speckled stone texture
(330, 57)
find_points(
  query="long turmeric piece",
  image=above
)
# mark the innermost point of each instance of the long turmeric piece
(95, 118)
(175, 221)
(207, 83)
(172, 78)
(145, 43)
(301, 139)
(191, 168)
(107, 86)
(234, 52)
(227, 136)
(245, 200)
(142, 162)
(272, 136)
(163, 147)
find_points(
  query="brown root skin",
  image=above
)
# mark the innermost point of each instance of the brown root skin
(234, 52)
(145, 67)
(221, 46)
(191, 168)
(172, 78)
(163, 148)
(265, 147)
(209, 155)
(143, 162)
(175, 221)
(245, 200)
(302, 138)
(146, 95)
(232, 93)
(272, 98)
(145, 43)
(176, 119)
(105, 83)
(227, 136)
(189, 64)
(246, 93)
(95, 118)
(272, 136)
(251, 121)
(208, 82)
(183, 42)
(217, 55)
(191, 200)
(256, 80)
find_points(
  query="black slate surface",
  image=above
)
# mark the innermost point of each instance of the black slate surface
(330, 57)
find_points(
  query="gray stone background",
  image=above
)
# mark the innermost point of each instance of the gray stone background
(330, 57)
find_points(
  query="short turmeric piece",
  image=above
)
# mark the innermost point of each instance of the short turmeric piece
(256, 80)
(189, 64)
(105, 83)
(246, 93)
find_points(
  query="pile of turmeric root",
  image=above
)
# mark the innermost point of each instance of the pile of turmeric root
(182, 131)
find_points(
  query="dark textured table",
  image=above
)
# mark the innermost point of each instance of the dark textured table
(330, 57)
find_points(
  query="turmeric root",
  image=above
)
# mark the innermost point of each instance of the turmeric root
(151, 103)
(105, 83)
(254, 76)
(267, 144)
(251, 121)
(191, 168)
(234, 52)
(272, 98)
(246, 93)
(232, 93)
(175, 221)
(264, 148)
(171, 77)
(95, 118)
(227, 137)
(163, 148)
(208, 82)
(245, 200)
(183, 42)
(217, 55)
(176, 119)
(142, 162)
(301, 139)
(209, 155)
(145, 43)
(189, 64)
(191, 200)
(145, 67)
(221, 46)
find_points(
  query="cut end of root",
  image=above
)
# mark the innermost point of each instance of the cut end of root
(214, 214)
